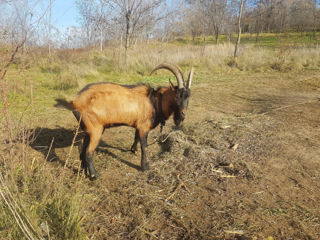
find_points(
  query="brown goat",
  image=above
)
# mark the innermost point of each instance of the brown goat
(104, 105)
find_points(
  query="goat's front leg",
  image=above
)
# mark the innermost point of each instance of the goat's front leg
(133, 148)
(143, 143)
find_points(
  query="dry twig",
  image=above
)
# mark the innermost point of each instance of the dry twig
(235, 232)
(73, 141)
(49, 149)
(147, 232)
(170, 133)
(280, 108)
(180, 184)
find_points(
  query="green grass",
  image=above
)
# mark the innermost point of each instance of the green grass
(272, 40)
(281, 39)
(64, 76)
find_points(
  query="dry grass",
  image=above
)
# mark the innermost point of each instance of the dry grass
(217, 58)
(226, 174)
(50, 203)
(72, 66)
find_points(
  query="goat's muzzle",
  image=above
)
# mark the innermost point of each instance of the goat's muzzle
(179, 117)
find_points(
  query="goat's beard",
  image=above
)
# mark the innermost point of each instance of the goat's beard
(178, 118)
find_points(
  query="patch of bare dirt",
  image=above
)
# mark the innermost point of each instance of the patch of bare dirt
(245, 165)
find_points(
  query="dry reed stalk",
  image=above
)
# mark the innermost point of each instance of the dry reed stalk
(6, 112)
(73, 141)
(49, 149)
(20, 218)
(78, 172)
(31, 133)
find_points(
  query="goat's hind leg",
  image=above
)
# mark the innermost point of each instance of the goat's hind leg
(95, 135)
(143, 143)
(85, 142)
(83, 154)
(78, 117)
(133, 148)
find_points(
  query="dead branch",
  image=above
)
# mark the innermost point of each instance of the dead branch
(3, 73)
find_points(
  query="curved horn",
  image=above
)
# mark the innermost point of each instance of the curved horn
(190, 78)
(175, 70)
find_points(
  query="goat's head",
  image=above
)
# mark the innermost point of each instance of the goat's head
(181, 92)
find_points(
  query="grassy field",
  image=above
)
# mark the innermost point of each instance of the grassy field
(270, 40)
(244, 165)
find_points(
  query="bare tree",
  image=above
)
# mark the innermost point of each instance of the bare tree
(96, 18)
(133, 16)
(216, 11)
(170, 21)
(22, 23)
(316, 17)
(87, 14)
(49, 28)
(21, 28)
(195, 22)
(239, 29)
(282, 16)
(212, 13)
(301, 14)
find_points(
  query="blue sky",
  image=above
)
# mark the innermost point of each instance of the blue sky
(65, 13)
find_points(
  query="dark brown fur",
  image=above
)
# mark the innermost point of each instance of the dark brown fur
(107, 105)
(104, 105)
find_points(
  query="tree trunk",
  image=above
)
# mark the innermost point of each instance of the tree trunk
(120, 50)
(204, 46)
(126, 46)
(257, 36)
(217, 37)
(101, 39)
(239, 30)
(49, 37)
(315, 20)
(127, 36)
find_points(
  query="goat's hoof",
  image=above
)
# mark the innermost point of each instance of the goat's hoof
(133, 150)
(145, 167)
(93, 177)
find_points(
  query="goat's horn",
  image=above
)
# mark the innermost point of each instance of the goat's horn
(190, 78)
(175, 70)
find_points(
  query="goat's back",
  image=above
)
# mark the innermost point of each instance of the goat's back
(110, 103)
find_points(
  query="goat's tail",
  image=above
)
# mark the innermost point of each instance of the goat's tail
(63, 103)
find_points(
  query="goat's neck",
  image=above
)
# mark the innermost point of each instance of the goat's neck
(167, 102)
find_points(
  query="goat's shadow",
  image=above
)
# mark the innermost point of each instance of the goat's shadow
(47, 140)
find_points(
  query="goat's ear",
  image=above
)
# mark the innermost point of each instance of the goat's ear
(171, 84)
